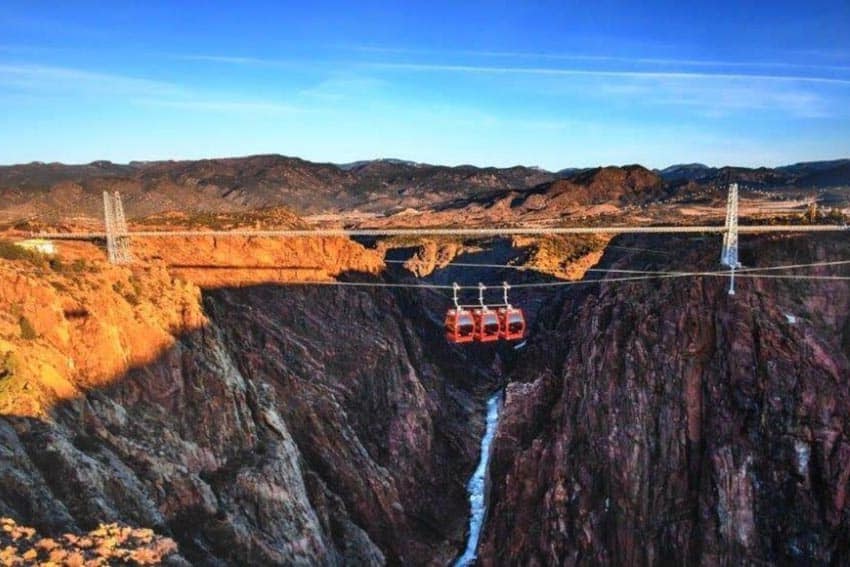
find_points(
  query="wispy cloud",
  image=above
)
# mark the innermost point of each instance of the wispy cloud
(714, 100)
(232, 106)
(343, 87)
(231, 59)
(708, 90)
(602, 58)
(62, 81)
(242, 60)
(56, 79)
(707, 93)
(572, 72)
(566, 71)
(652, 63)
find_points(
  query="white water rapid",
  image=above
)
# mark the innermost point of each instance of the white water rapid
(477, 484)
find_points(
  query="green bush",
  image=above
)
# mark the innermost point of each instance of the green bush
(78, 266)
(129, 296)
(27, 330)
(8, 365)
(11, 251)
(136, 284)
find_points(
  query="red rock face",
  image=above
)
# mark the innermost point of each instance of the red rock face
(667, 422)
(304, 426)
(374, 403)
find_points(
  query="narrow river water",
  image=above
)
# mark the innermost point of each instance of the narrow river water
(477, 485)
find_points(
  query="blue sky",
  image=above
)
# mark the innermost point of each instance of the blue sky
(554, 84)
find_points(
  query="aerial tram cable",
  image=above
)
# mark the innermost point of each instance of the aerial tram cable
(561, 283)
(484, 322)
(646, 272)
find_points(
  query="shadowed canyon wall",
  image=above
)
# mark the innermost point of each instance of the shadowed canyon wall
(284, 425)
(666, 422)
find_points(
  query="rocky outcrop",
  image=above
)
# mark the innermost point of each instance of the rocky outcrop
(666, 422)
(211, 262)
(68, 326)
(564, 256)
(622, 185)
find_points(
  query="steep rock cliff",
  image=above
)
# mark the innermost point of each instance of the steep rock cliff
(264, 425)
(385, 416)
(667, 422)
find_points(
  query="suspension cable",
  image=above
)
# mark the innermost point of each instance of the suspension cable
(645, 272)
(562, 283)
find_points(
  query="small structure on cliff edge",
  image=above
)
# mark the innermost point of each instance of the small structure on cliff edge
(39, 245)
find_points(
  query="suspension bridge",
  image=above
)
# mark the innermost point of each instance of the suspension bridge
(118, 235)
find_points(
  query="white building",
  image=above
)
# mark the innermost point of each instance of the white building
(46, 247)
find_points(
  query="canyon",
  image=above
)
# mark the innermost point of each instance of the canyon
(263, 424)
(202, 407)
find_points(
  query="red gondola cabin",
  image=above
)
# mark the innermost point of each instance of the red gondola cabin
(486, 325)
(511, 323)
(460, 326)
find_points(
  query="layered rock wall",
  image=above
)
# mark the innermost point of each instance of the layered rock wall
(667, 422)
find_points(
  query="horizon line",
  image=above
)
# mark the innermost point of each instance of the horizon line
(409, 161)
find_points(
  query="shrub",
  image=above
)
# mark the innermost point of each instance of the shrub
(836, 216)
(11, 251)
(8, 365)
(86, 443)
(27, 330)
(78, 266)
(129, 296)
(136, 284)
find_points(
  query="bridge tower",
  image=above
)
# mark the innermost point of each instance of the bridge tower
(117, 241)
(729, 253)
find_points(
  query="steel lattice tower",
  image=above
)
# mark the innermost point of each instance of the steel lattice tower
(117, 241)
(729, 253)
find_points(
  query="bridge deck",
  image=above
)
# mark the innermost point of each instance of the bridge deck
(506, 231)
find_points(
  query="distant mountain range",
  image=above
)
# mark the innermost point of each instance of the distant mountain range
(813, 174)
(233, 184)
(379, 186)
